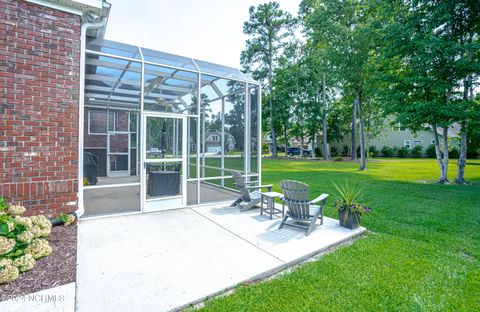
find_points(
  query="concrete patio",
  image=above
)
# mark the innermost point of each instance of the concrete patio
(166, 260)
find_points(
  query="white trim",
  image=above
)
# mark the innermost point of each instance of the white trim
(81, 113)
(92, 187)
(259, 135)
(57, 6)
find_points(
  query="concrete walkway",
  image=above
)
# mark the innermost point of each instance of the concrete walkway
(163, 261)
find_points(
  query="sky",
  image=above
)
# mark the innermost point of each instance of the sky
(209, 30)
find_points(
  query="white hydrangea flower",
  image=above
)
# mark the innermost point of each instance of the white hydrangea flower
(16, 210)
(8, 272)
(25, 237)
(6, 245)
(39, 248)
(43, 224)
(25, 262)
(70, 220)
(24, 221)
(11, 226)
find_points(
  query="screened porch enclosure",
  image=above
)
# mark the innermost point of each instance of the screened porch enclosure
(162, 131)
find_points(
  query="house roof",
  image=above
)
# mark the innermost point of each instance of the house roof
(453, 131)
(85, 8)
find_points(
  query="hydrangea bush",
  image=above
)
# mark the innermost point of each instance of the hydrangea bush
(22, 241)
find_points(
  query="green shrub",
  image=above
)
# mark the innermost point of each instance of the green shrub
(472, 153)
(387, 151)
(318, 152)
(344, 151)
(395, 151)
(430, 151)
(334, 151)
(265, 149)
(417, 151)
(403, 152)
(21, 241)
(372, 151)
(453, 153)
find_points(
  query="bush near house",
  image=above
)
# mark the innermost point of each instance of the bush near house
(334, 151)
(345, 151)
(417, 151)
(22, 241)
(403, 152)
(372, 151)
(454, 153)
(387, 151)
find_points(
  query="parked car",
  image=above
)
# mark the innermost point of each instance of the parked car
(154, 152)
(293, 151)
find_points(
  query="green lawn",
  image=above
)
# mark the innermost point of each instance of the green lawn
(422, 254)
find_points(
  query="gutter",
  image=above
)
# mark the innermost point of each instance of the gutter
(81, 111)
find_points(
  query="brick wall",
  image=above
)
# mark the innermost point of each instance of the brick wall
(39, 86)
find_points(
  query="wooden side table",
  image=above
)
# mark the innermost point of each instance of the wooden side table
(268, 198)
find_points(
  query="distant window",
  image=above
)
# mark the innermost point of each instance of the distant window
(407, 143)
(433, 141)
(418, 141)
(215, 138)
(399, 127)
(97, 122)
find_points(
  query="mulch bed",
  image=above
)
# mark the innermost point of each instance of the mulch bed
(55, 270)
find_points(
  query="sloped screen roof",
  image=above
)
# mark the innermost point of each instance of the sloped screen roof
(114, 70)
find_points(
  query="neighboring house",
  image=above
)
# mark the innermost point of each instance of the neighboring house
(398, 136)
(292, 142)
(213, 142)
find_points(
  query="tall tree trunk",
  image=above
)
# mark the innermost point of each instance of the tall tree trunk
(445, 152)
(302, 140)
(313, 143)
(363, 164)
(438, 152)
(354, 129)
(285, 135)
(270, 105)
(324, 120)
(462, 158)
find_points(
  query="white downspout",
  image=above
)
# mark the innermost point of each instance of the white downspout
(81, 104)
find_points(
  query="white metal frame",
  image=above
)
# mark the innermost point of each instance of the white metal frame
(168, 202)
(142, 116)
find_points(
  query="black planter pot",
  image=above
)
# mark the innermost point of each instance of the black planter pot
(349, 220)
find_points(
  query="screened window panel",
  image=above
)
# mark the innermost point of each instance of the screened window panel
(169, 90)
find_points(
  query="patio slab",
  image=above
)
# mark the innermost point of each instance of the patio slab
(166, 260)
(288, 244)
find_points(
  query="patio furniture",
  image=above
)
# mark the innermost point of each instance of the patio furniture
(268, 198)
(300, 208)
(90, 168)
(249, 197)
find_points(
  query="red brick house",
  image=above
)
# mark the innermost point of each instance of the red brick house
(40, 46)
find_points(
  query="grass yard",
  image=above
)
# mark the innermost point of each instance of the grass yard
(423, 252)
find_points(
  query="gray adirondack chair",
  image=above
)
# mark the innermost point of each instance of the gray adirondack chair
(250, 194)
(300, 208)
